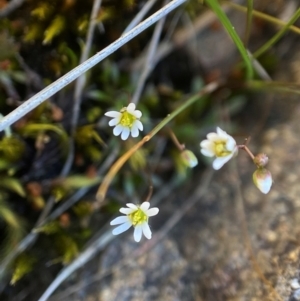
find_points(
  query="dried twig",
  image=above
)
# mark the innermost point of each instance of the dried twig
(150, 60)
(139, 17)
(34, 101)
(10, 7)
(80, 83)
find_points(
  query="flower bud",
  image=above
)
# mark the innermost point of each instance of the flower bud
(261, 160)
(262, 179)
(188, 158)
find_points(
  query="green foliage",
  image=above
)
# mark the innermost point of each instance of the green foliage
(49, 228)
(11, 149)
(13, 225)
(13, 185)
(55, 29)
(67, 247)
(22, 266)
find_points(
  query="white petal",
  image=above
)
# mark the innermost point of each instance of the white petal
(235, 151)
(133, 206)
(145, 206)
(230, 144)
(222, 133)
(265, 186)
(131, 108)
(207, 152)
(125, 133)
(146, 230)
(138, 114)
(139, 125)
(137, 235)
(219, 162)
(118, 130)
(207, 144)
(119, 220)
(122, 228)
(134, 130)
(127, 210)
(114, 121)
(213, 137)
(152, 211)
(114, 114)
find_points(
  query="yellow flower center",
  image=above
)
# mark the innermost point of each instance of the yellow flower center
(138, 217)
(127, 119)
(220, 149)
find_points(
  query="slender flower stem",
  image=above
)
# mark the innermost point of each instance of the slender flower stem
(122, 160)
(43, 95)
(181, 147)
(247, 150)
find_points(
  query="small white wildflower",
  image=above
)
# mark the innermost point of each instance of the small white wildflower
(219, 145)
(136, 216)
(262, 179)
(126, 121)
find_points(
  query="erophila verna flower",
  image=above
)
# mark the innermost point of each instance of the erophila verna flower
(136, 216)
(219, 145)
(262, 179)
(126, 121)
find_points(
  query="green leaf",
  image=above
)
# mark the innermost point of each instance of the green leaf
(67, 246)
(23, 265)
(98, 95)
(13, 185)
(215, 6)
(79, 181)
(34, 129)
(57, 25)
(49, 228)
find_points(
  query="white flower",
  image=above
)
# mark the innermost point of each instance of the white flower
(219, 145)
(126, 121)
(188, 158)
(262, 179)
(136, 216)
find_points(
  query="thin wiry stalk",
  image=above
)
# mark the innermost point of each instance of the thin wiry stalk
(10, 7)
(81, 192)
(263, 16)
(77, 101)
(261, 71)
(80, 83)
(248, 21)
(40, 97)
(150, 60)
(277, 36)
(140, 16)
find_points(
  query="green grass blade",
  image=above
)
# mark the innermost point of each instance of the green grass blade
(277, 36)
(249, 21)
(214, 5)
(264, 17)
